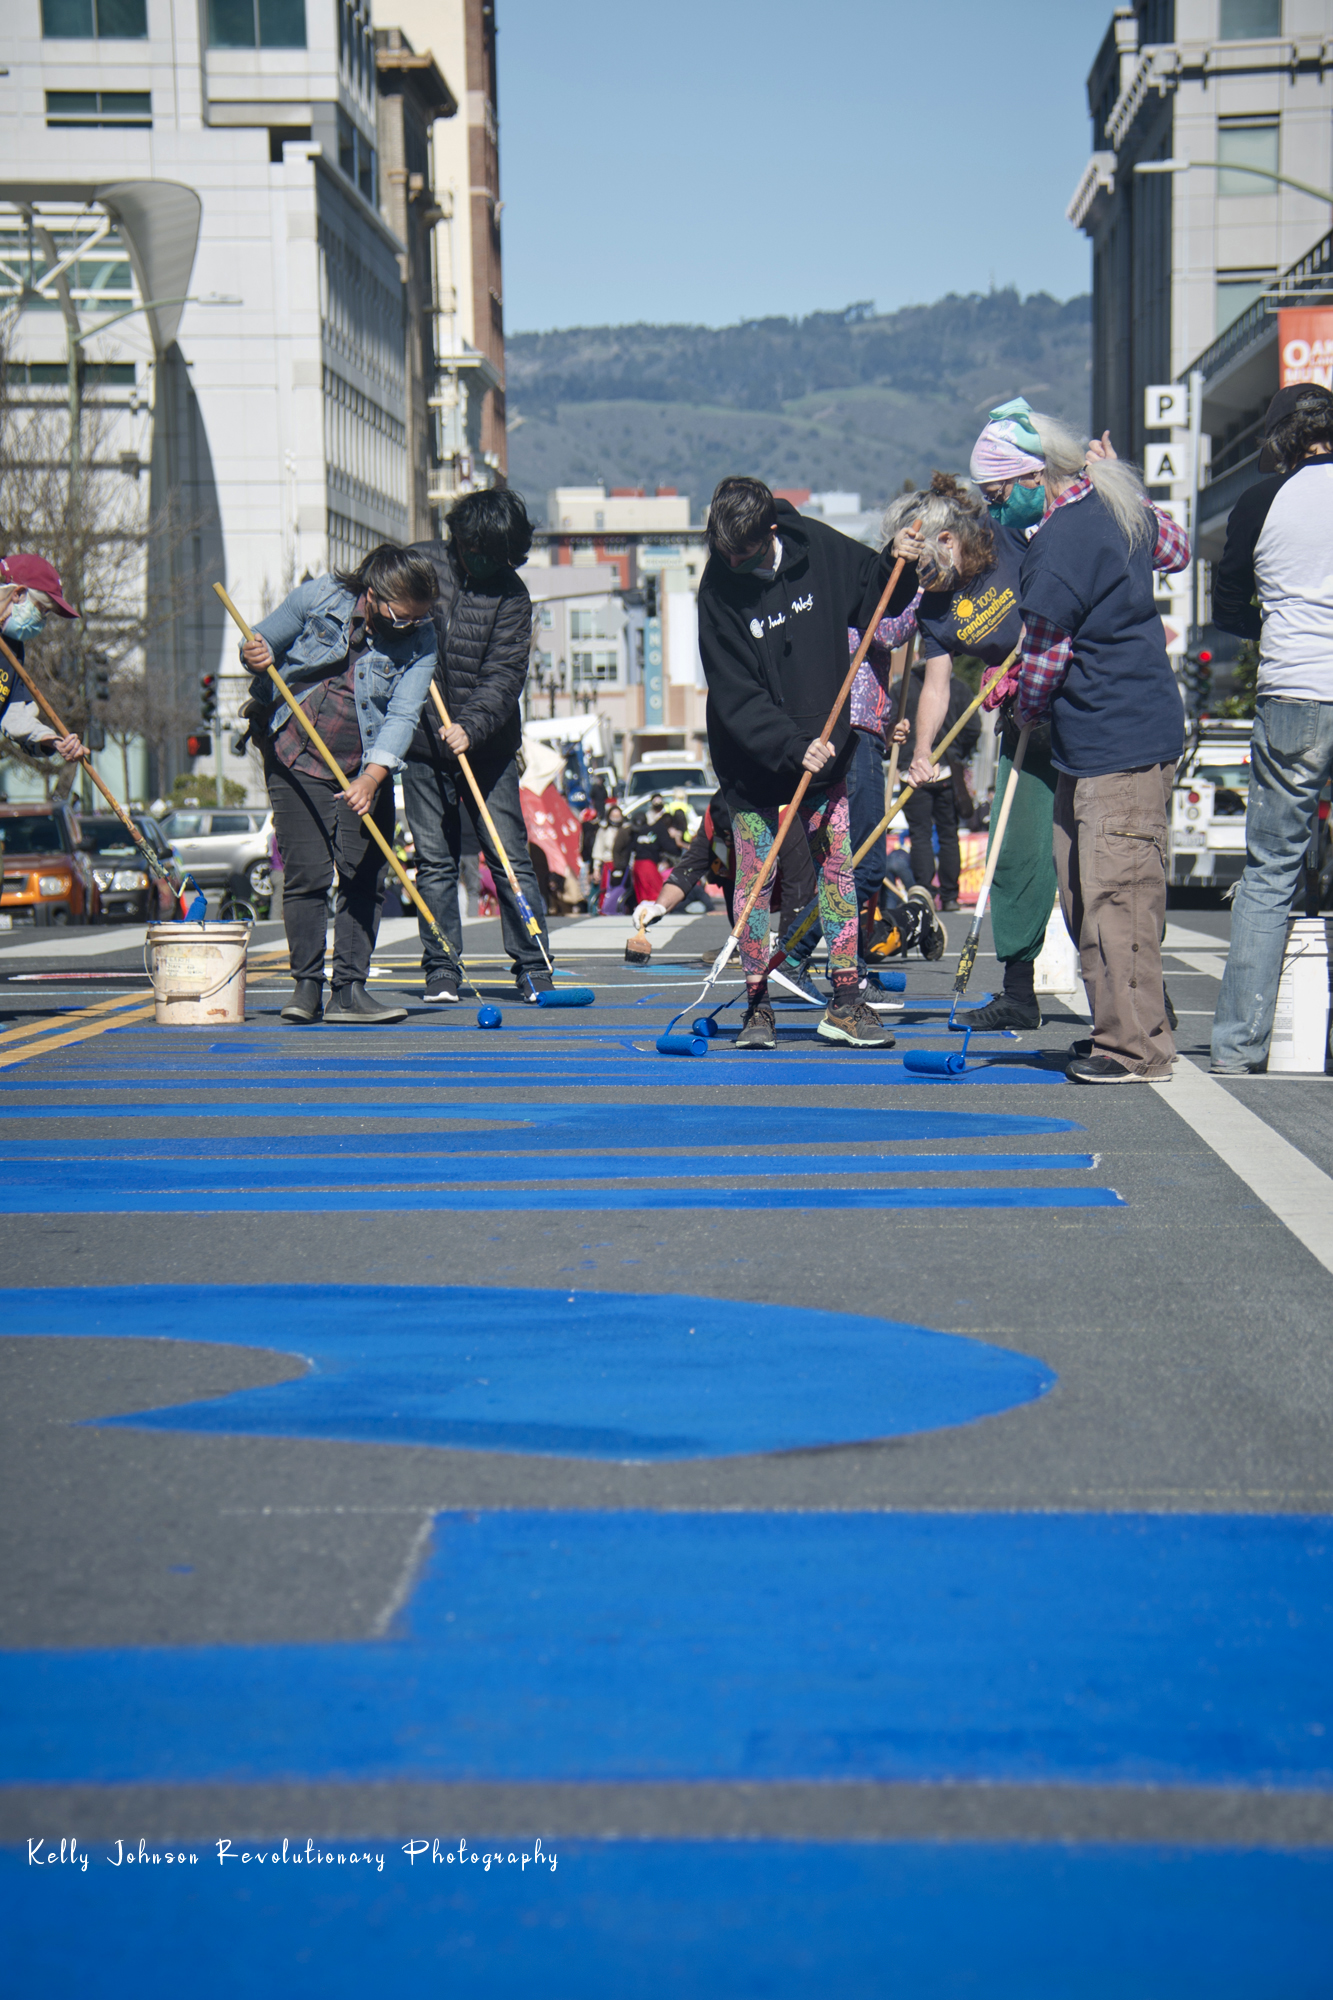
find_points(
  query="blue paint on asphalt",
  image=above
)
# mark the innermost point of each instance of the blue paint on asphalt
(581, 1201)
(710, 1919)
(186, 1177)
(593, 1125)
(1148, 1649)
(524, 1111)
(584, 1375)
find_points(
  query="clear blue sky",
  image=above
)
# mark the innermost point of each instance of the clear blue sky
(709, 161)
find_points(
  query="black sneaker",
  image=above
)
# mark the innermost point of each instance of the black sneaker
(530, 984)
(932, 940)
(1105, 1069)
(306, 1003)
(352, 1007)
(1003, 1012)
(759, 1030)
(442, 988)
(1083, 1048)
(854, 1024)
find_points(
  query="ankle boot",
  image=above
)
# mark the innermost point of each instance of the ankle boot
(306, 1003)
(352, 1007)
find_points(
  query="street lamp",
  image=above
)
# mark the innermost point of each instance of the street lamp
(1231, 167)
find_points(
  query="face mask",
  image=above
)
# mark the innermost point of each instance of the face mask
(25, 621)
(1025, 505)
(480, 566)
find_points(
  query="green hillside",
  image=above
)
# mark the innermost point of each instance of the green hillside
(855, 400)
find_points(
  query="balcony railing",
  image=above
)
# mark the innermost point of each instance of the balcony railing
(1314, 273)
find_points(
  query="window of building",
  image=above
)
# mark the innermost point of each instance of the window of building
(544, 617)
(1249, 20)
(1246, 143)
(99, 107)
(1237, 292)
(599, 622)
(95, 20)
(595, 667)
(356, 156)
(256, 24)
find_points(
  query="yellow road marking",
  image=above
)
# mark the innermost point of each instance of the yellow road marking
(9, 1057)
(50, 1024)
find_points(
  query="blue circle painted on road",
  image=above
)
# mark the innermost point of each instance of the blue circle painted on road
(573, 1374)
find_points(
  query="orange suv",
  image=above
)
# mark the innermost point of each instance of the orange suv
(46, 879)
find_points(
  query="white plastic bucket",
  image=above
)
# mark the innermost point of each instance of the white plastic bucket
(198, 973)
(1300, 1019)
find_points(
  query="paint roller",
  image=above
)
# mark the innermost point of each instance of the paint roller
(570, 996)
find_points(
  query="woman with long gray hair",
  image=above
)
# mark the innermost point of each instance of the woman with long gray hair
(1093, 659)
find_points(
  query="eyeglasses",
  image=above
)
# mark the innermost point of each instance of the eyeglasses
(383, 611)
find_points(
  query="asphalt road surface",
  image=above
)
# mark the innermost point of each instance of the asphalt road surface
(514, 1512)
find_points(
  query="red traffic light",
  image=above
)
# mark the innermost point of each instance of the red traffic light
(198, 745)
(1205, 657)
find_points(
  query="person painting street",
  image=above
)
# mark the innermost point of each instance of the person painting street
(1277, 551)
(775, 602)
(30, 590)
(970, 565)
(483, 630)
(358, 649)
(1093, 658)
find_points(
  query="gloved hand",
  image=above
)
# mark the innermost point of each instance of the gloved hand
(1003, 690)
(647, 913)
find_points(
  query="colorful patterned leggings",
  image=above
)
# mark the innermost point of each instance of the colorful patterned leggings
(824, 816)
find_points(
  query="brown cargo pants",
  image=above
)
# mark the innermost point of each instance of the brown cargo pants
(1111, 861)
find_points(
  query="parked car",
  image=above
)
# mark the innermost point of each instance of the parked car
(223, 846)
(46, 879)
(127, 888)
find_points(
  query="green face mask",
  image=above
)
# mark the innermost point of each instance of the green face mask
(1025, 505)
(480, 566)
(751, 563)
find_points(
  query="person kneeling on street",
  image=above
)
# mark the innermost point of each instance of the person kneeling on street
(357, 649)
(483, 626)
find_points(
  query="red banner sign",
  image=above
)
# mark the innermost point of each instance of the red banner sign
(1305, 345)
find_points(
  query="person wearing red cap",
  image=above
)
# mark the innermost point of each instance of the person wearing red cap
(29, 589)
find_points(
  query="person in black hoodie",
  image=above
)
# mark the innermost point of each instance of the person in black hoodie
(483, 623)
(775, 602)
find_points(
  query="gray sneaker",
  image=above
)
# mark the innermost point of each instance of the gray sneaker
(854, 1024)
(759, 1029)
(800, 983)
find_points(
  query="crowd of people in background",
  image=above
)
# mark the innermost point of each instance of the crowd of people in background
(1038, 576)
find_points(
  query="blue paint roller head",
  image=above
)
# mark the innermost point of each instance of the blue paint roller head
(705, 1025)
(567, 996)
(489, 1017)
(890, 982)
(682, 1045)
(933, 1062)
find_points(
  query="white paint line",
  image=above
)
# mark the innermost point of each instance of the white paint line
(61, 943)
(1176, 934)
(1211, 962)
(402, 1590)
(1299, 1193)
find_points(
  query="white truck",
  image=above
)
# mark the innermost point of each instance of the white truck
(1207, 834)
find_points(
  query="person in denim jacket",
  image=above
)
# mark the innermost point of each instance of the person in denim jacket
(358, 650)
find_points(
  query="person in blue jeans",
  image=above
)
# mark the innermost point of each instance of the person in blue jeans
(1275, 584)
(357, 650)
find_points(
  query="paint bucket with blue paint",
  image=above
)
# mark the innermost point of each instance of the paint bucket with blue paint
(198, 973)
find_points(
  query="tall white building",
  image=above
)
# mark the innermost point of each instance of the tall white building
(213, 164)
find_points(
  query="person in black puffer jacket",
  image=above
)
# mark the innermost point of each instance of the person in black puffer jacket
(483, 624)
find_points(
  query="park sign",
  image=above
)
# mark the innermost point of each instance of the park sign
(1305, 345)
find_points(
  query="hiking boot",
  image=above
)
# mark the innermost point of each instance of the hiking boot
(853, 1022)
(306, 1003)
(1002, 1012)
(442, 988)
(352, 1007)
(530, 984)
(1105, 1069)
(800, 982)
(759, 1030)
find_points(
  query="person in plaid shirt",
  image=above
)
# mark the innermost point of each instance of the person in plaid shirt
(1093, 661)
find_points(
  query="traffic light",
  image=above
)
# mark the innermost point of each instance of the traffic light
(1198, 678)
(650, 597)
(101, 678)
(208, 696)
(200, 744)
